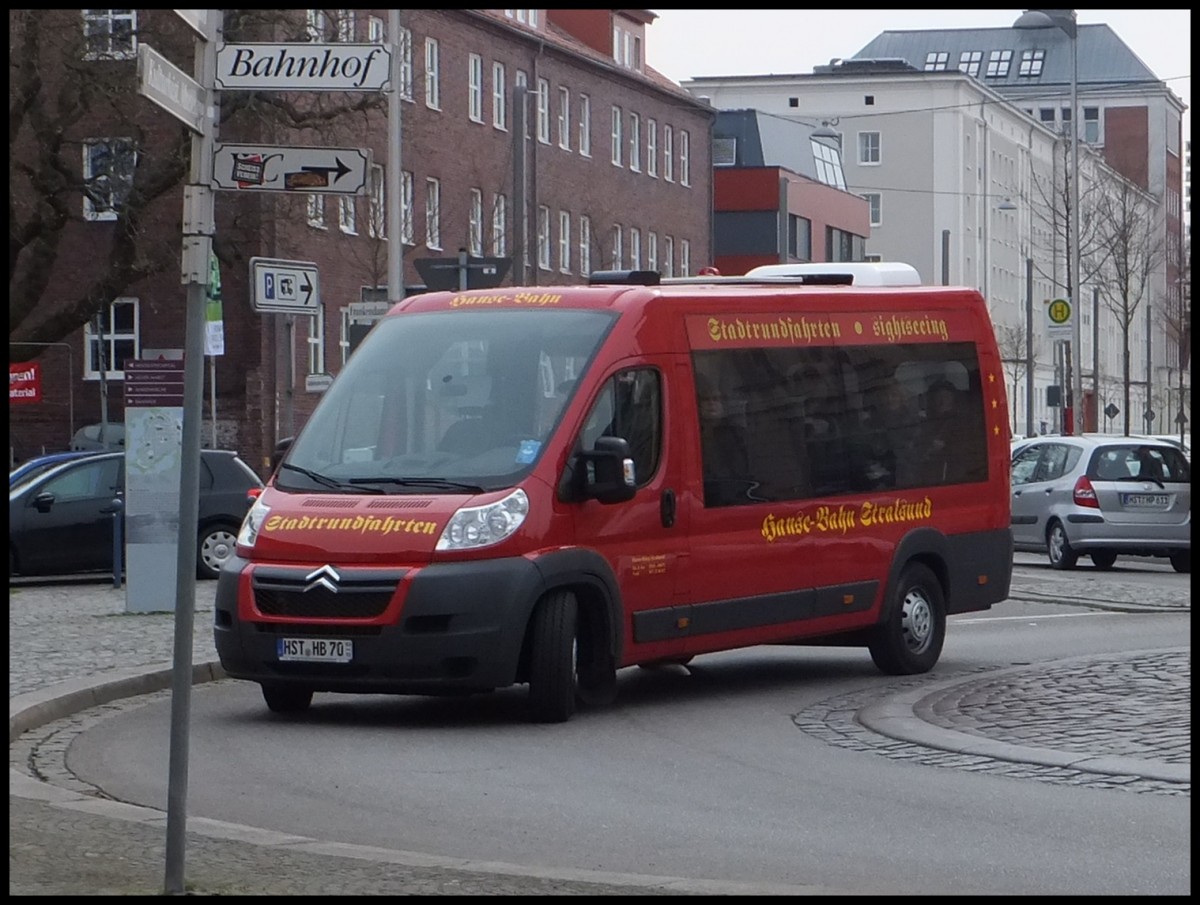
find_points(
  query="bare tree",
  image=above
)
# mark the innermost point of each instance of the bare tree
(1175, 317)
(1126, 220)
(1011, 340)
(60, 94)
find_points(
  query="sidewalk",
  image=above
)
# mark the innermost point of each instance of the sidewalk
(72, 647)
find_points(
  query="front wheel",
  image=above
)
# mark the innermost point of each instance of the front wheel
(1181, 561)
(1062, 556)
(552, 658)
(910, 637)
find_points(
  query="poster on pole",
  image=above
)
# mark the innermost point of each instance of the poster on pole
(214, 324)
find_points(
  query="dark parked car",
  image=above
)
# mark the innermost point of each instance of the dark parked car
(61, 521)
(31, 468)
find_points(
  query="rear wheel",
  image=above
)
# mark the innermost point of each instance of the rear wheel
(1062, 556)
(216, 544)
(910, 638)
(1103, 559)
(552, 658)
(1181, 561)
(286, 698)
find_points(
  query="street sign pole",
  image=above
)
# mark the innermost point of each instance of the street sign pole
(198, 228)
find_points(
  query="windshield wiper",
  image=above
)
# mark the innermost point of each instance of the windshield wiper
(419, 482)
(327, 481)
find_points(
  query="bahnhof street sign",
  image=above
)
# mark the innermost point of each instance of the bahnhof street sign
(303, 67)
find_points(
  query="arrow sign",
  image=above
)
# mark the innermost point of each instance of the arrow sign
(272, 168)
(287, 287)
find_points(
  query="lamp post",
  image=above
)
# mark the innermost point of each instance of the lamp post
(1064, 19)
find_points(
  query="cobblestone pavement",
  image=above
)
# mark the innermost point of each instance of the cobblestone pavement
(75, 654)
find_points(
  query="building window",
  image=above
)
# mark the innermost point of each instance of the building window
(499, 87)
(969, 61)
(936, 60)
(635, 142)
(635, 248)
(433, 98)
(108, 165)
(116, 341)
(564, 118)
(543, 237)
(315, 211)
(1091, 125)
(668, 156)
(998, 63)
(685, 257)
(1031, 63)
(347, 215)
(433, 213)
(685, 158)
(585, 245)
(874, 200)
(408, 233)
(345, 26)
(543, 111)
(617, 141)
(316, 341)
(109, 34)
(406, 63)
(316, 25)
(475, 87)
(799, 238)
(652, 251)
(564, 241)
(377, 224)
(585, 125)
(868, 148)
(668, 264)
(618, 254)
(652, 148)
(499, 229)
(828, 162)
(1046, 116)
(375, 32)
(475, 223)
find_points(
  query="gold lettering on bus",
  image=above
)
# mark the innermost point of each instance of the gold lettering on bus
(787, 329)
(362, 524)
(843, 519)
(895, 327)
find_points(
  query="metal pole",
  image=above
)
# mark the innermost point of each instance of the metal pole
(1029, 347)
(197, 251)
(1076, 294)
(520, 274)
(395, 241)
(945, 257)
(1096, 353)
(1149, 370)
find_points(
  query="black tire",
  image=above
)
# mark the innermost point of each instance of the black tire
(1181, 561)
(552, 658)
(286, 698)
(910, 637)
(1103, 559)
(1062, 555)
(595, 663)
(215, 545)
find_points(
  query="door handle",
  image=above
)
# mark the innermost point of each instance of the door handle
(666, 508)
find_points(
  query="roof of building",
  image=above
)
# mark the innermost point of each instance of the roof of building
(764, 139)
(1104, 59)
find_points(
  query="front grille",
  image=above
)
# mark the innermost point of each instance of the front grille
(325, 593)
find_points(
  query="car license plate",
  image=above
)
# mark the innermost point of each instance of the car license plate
(1144, 500)
(315, 650)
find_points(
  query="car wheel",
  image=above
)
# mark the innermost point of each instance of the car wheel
(287, 698)
(552, 658)
(1181, 561)
(1103, 559)
(217, 543)
(1059, 548)
(910, 637)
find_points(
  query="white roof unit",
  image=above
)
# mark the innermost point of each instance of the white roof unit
(863, 273)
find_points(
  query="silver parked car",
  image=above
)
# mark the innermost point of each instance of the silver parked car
(1101, 496)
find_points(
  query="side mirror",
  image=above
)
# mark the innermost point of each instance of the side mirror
(281, 448)
(43, 501)
(606, 473)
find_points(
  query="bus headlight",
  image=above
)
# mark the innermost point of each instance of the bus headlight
(252, 523)
(482, 526)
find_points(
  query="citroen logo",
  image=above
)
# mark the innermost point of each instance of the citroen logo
(325, 577)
